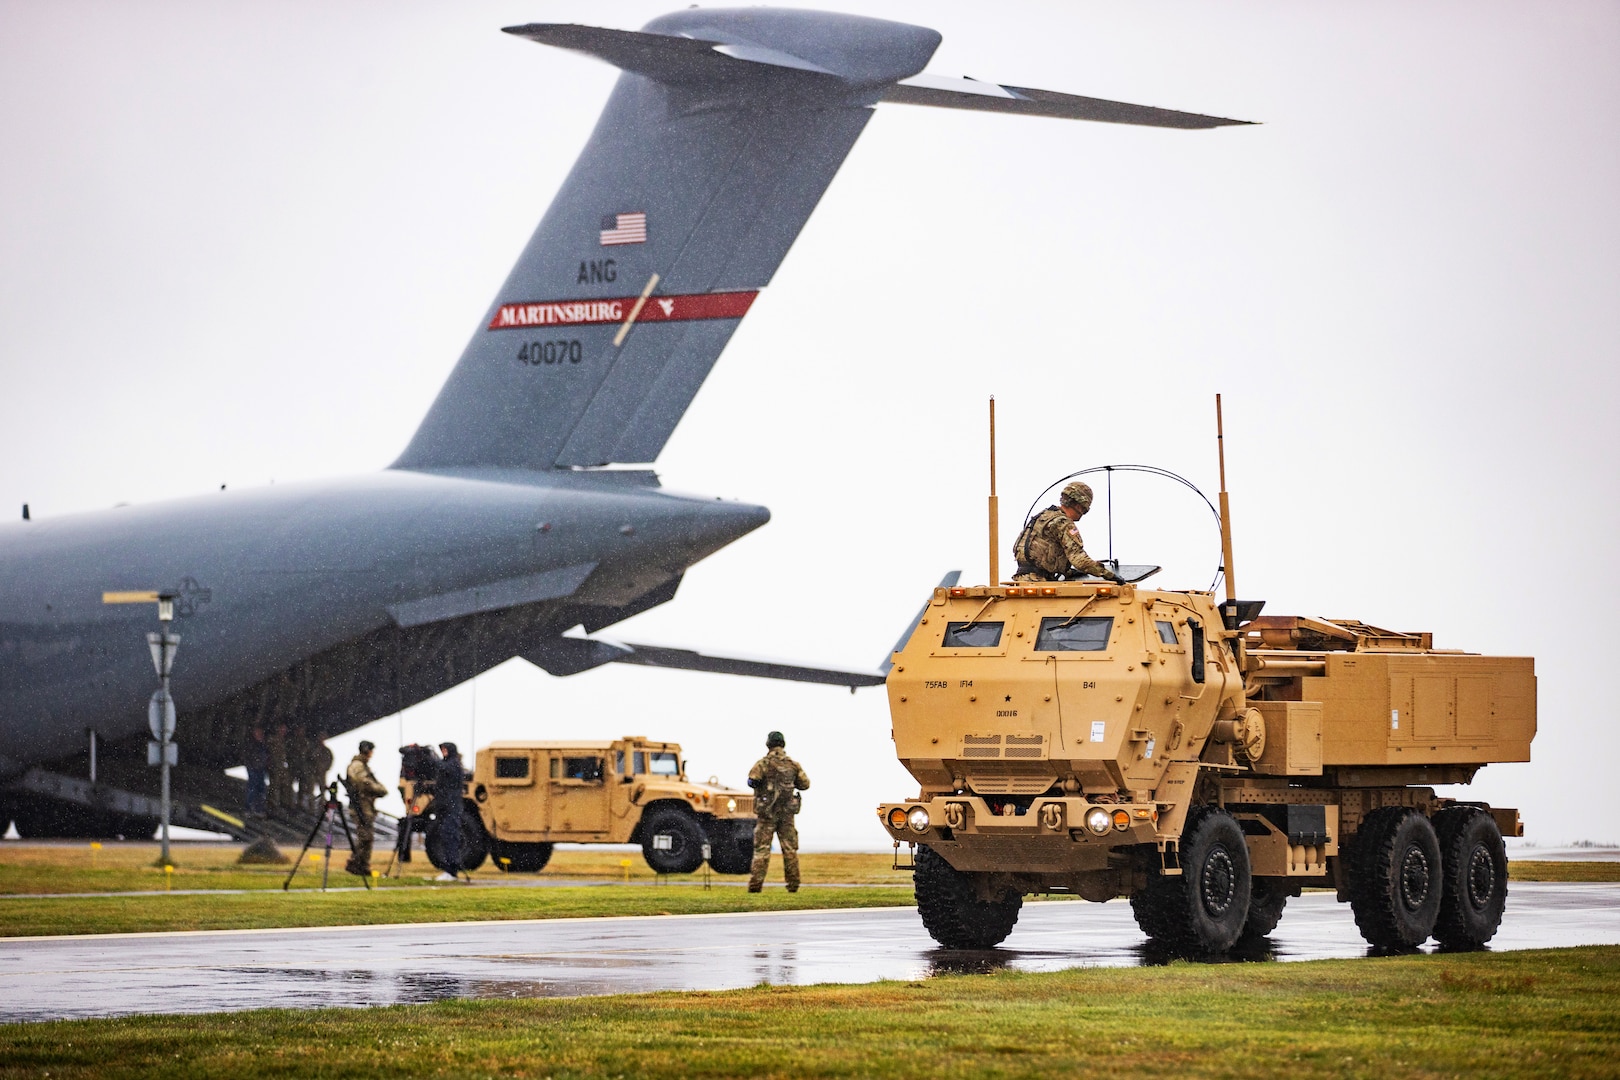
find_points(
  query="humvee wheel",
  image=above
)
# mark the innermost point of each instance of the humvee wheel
(685, 851)
(474, 844)
(951, 911)
(1267, 898)
(1205, 907)
(731, 846)
(1396, 878)
(519, 858)
(1474, 877)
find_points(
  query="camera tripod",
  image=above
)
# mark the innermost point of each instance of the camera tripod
(332, 809)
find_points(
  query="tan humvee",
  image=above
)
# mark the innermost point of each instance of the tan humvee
(1110, 740)
(524, 797)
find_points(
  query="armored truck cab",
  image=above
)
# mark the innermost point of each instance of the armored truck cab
(1110, 740)
(524, 797)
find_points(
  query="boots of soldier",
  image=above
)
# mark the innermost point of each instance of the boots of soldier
(790, 870)
(756, 873)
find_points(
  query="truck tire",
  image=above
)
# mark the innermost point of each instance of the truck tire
(474, 844)
(1396, 878)
(1473, 890)
(685, 852)
(1203, 909)
(731, 846)
(951, 911)
(1267, 898)
(520, 858)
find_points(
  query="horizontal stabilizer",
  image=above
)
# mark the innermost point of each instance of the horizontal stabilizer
(947, 93)
(571, 655)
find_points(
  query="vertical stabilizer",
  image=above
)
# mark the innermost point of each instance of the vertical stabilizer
(718, 141)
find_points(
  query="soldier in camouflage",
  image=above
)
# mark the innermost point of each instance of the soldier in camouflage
(777, 780)
(1050, 547)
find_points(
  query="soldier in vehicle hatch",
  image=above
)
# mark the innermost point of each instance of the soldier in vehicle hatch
(777, 780)
(1050, 547)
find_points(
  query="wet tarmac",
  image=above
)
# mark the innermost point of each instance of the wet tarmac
(218, 971)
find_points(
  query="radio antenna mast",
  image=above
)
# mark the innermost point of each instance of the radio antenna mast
(995, 540)
(1226, 508)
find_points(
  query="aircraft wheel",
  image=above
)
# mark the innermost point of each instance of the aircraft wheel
(685, 851)
(951, 909)
(519, 858)
(1396, 878)
(1203, 909)
(731, 846)
(1474, 881)
(1267, 898)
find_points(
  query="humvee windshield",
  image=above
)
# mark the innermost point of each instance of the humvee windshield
(1074, 635)
(665, 764)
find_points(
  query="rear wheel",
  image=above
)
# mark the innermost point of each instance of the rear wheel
(519, 858)
(731, 846)
(1267, 898)
(672, 841)
(1395, 878)
(1204, 908)
(951, 910)
(1474, 870)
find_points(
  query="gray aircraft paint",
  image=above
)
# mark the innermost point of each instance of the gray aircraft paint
(338, 602)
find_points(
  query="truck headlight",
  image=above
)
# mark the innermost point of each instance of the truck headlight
(918, 819)
(897, 817)
(731, 806)
(1098, 820)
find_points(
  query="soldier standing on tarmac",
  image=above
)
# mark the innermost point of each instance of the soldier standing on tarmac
(317, 764)
(777, 780)
(364, 790)
(1050, 547)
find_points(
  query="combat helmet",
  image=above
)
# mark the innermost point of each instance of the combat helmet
(1078, 494)
(774, 740)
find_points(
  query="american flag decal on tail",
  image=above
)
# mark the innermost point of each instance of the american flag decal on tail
(624, 229)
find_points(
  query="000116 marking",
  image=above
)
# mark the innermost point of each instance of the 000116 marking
(535, 353)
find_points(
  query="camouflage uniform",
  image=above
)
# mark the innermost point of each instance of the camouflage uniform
(774, 778)
(317, 763)
(281, 792)
(1050, 547)
(364, 790)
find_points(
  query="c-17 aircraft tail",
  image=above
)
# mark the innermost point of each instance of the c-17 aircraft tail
(317, 608)
(723, 132)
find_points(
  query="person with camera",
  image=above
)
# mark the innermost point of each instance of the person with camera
(364, 790)
(449, 788)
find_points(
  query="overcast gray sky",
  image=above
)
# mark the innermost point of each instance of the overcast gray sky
(246, 243)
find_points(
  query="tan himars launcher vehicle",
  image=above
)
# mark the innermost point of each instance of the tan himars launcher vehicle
(1110, 740)
(524, 797)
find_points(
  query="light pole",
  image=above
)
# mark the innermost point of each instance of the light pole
(160, 709)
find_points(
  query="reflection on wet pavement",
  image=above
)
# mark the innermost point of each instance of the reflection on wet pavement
(215, 971)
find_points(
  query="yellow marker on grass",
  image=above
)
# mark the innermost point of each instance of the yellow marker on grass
(168, 877)
(625, 864)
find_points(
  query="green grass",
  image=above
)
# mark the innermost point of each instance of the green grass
(1531, 1014)
(76, 867)
(28, 916)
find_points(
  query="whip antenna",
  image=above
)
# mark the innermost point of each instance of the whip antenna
(995, 540)
(1226, 509)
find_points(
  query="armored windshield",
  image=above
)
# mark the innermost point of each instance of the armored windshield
(972, 635)
(1061, 634)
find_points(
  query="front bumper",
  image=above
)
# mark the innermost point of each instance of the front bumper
(1059, 822)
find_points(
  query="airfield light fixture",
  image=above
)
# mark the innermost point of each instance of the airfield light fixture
(160, 712)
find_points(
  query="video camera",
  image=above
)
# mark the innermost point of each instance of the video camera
(420, 765)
